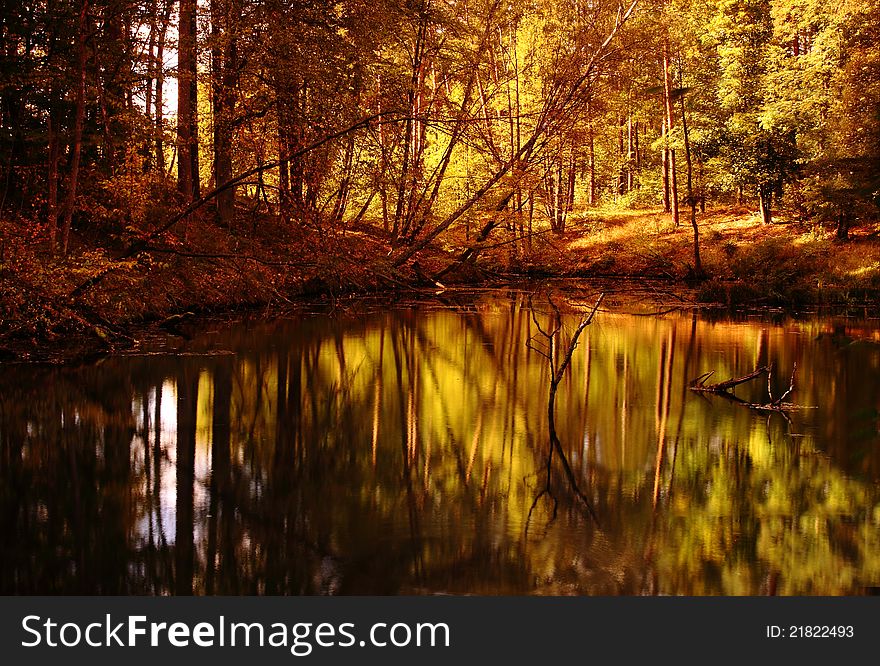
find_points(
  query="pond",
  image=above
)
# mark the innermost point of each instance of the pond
(401, 448)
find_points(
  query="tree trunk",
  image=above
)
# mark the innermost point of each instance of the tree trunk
(151, 77)
(638, 154)
(702, 186)
(54, 157)
(187, 104)
(592, 168)
(11, 111)
(692, 200)
(294, 139)
(557, 195)
(843, 217)
(621, 156)
(223, 81)
(283, 153)
(517, 143)
(79, 119)
(345, 183)
(531, 215)
(664, 158)
(160, 83)
(401, 211)
(765, 195)
(670, 125)
(629, 152)
(112, 81)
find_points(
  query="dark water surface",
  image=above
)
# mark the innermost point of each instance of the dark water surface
(400, 449)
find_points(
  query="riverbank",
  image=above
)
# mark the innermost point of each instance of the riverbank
(47, 315)
(90, 301)
(746, 263)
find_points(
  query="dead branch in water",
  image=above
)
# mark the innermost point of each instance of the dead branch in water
(557, 372)
(699, 384)
(724, 390)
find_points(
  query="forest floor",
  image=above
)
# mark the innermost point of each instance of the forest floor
(745, 262)
(262, 264)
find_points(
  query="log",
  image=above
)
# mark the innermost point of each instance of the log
(723, 389)
(699, 384)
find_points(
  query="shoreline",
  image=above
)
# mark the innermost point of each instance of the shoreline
(150, 336)
(197, 277)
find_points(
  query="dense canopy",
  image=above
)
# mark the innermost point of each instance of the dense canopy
(336, 138)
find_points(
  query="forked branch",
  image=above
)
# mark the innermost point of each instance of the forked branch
(557, 372)
(724, 390)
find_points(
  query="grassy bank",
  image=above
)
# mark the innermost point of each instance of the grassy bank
(746, 262)
(265, 264)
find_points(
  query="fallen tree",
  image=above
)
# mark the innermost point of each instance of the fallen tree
(724, 389)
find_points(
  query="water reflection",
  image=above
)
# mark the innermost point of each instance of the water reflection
(400, 451)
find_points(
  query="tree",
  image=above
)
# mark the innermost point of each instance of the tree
(669, 103)
(187, 102)
(828, 83)
(224, 78)
(758, 152)
(79, 119)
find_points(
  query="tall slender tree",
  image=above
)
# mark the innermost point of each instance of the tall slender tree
(187, 102)
(224, 74)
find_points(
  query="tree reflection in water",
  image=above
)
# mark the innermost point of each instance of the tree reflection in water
(399, 450)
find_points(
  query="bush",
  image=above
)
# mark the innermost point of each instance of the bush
(778, 270)
(728, 293)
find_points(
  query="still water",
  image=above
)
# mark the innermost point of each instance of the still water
(400, 449)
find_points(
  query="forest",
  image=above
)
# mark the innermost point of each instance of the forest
(440, 296)
(163, 157)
